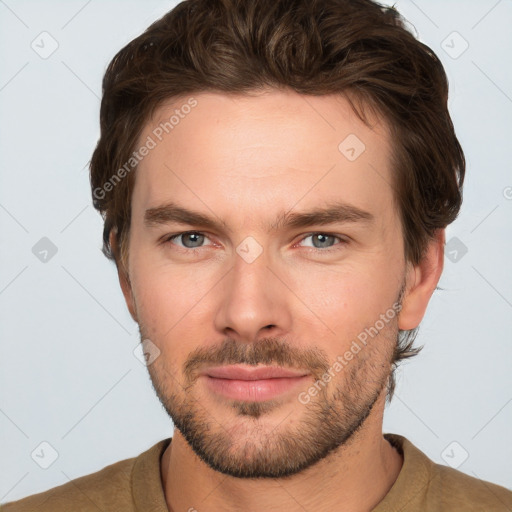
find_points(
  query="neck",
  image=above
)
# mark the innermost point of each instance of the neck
(354, 478)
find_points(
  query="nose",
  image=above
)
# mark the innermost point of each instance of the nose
(253, 301)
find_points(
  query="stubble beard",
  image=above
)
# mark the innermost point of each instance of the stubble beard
(248, 446)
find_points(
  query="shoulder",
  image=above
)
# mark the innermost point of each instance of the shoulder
(104, 490)
(454, 488)
(110, 489)
(425, 485)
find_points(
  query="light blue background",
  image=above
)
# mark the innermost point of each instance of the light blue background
(68, 373)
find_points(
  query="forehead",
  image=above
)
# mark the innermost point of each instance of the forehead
(262, 154)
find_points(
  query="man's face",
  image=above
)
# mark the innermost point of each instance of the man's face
(261, 286)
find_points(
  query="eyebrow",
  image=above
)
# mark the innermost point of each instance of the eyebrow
(332, 213)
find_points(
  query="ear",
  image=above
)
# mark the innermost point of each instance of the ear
(421, 281)
(124, 278)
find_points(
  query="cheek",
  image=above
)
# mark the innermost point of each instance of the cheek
(172, 306)
(347, 300)
(165, 291)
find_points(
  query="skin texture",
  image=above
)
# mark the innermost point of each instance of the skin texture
(244, 161)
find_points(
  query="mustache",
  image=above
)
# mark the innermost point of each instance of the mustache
(267, 351)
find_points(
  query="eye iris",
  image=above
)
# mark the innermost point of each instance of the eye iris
(198, 238)
(323, 238)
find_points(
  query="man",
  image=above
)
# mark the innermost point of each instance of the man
(275, 179)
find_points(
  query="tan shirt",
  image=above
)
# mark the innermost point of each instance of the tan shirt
(135, 485)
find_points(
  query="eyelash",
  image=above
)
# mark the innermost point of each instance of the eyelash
(189, 250)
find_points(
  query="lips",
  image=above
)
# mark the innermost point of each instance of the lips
(254, 384)
(252, 373)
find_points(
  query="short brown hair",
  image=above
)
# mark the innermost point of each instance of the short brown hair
(356, 48)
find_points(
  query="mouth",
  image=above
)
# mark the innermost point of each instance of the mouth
(252, 384)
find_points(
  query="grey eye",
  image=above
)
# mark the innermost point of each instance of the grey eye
(322, 239)
(194, 240)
